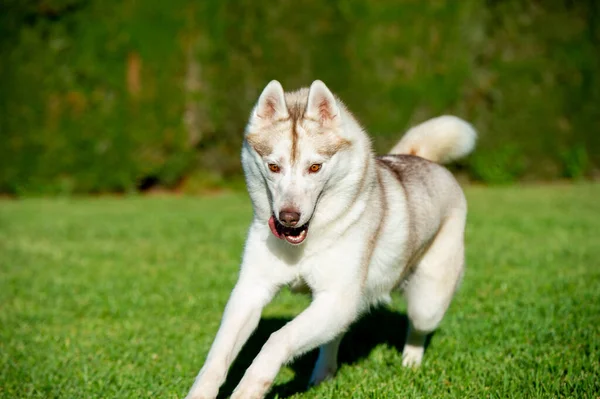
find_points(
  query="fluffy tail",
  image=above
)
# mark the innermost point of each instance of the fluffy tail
(442, 140)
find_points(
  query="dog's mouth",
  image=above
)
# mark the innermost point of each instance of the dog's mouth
(293, 235)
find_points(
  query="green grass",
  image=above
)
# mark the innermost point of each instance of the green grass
(111, 297)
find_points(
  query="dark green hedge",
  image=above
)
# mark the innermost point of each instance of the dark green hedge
(107, 96)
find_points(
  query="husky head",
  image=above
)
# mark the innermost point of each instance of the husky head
(290, 147)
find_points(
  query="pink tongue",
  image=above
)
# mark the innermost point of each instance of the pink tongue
(273, 229)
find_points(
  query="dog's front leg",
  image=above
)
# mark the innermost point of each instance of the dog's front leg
(241, 317)
(257, 284)
(328, 316)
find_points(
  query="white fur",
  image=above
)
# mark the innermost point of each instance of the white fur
(443, 139)
(354, 206)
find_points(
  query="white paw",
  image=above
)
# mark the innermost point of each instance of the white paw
(203, 391)
(200, 395)
(250, 388)
(412, 356)
(255, 392)
(206, 385)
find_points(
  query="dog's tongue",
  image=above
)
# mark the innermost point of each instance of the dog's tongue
(274, 229)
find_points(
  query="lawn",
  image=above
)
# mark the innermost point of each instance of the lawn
(121, 298)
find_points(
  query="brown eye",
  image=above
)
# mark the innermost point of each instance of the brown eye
(314, 168)
(274, 168)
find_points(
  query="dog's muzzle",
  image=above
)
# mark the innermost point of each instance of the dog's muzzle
(293, 235)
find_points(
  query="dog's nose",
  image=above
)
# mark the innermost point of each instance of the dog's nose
(289, 217)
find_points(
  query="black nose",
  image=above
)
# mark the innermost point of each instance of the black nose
(289, 217)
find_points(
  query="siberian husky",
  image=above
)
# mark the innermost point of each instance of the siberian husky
(332, 218)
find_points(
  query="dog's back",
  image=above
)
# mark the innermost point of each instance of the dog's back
(421, 243)
(422, 200)
(432, 193)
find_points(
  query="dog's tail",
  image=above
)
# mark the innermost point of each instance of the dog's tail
(442, 140)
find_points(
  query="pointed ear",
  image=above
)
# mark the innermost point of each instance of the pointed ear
(271, 103)
(321, 103)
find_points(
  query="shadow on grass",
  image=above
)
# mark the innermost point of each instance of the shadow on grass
(380, 326)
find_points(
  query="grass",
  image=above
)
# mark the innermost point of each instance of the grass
(121, 298)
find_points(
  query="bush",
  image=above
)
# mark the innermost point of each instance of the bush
(104, 96)
(499, 166)
(575, 162)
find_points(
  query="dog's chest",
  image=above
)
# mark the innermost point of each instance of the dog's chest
(299, 286)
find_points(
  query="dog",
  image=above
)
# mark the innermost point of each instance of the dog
(332, 218)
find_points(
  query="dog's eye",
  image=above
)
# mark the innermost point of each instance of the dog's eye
(274, 168)
(314, 168)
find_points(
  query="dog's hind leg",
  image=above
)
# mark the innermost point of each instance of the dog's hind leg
(326, 364)
(432, 285)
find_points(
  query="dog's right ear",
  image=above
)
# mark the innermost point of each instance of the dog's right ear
(271, 104)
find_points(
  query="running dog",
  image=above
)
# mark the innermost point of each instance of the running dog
(332, 218)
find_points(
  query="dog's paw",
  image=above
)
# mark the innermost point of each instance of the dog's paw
(201, 395)
(198, 396)
(251, 392)
(250, 388)
(412, 356)
(203, 389)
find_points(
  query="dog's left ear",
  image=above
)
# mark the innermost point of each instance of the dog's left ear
(322, 105)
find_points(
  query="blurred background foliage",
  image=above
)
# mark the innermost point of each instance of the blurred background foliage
(122, 96)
